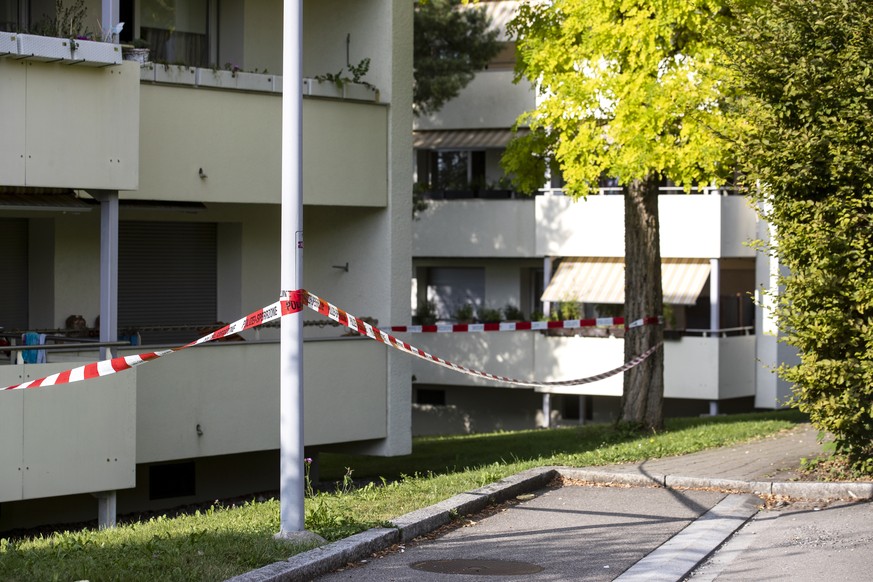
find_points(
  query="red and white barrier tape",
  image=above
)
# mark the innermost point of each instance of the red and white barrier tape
(120, 364)
(323, 307)
(525, 325)
(293, 302)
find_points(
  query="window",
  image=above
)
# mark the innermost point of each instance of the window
(176, 31)
(9, 20)
(430, 396)
(454, 171)
(172, 480)
(452, 288)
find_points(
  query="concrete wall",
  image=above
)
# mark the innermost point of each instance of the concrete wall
(69, 126)
(231, 392)
(234, 138)
(476, 228)
(490, 101)
(38, 457)
(478, 410)
(371, 29)
(692, 226)
(694, 367)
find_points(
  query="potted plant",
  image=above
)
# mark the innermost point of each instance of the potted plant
(138, 50)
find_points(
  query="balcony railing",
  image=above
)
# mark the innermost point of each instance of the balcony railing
(705, 368)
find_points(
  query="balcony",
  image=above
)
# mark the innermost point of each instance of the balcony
(717, 367)
(692, 226)
(68, 126)
(192, 150)
(491, 100)
(475, 228)
(215, 399)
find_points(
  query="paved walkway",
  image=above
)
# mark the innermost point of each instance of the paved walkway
(660, 520)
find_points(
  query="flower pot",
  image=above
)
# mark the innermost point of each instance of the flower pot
(140, 55)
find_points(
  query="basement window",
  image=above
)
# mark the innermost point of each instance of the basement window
(430, 396)
(171, 480)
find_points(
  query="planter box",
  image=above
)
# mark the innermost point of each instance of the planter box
(8, 43)
(96, 54)
(139, 55)
(347, 90)
(322, 89)
(45, 48)
(147, 72)
(229, 80)
(215, 78)
(277, 84)
(175, 74)
(254, 82)
(360, 92)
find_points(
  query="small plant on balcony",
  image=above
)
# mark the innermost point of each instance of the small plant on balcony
(357, 73)
(425, 314)
(513, 313)
(67, 22)
(488, 315)
(465, 313)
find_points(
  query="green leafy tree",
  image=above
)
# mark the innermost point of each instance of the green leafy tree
(806, 68)
(631, 90)
(449, 46)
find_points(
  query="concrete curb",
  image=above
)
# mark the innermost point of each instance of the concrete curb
(426, 520)
(809, 490)
(332, 556)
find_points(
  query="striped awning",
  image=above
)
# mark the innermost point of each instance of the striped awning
(601, 280)
(463, 139)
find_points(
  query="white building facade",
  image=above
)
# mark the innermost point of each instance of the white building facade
(145, 198)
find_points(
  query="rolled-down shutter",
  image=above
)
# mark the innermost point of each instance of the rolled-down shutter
(13, 274)
(166, 278)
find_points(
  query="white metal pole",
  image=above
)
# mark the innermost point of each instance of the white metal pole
(714, 295)
(291, 486)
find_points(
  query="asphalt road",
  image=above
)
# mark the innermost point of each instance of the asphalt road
(638, 533)
(804, 541)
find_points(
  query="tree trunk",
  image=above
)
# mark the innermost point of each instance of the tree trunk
(643, 394)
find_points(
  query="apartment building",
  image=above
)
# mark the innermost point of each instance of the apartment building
(479, 247)
(140, 208)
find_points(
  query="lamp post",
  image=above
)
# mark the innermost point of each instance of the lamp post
(291, 472)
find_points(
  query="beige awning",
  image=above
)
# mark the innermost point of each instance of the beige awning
(601, 280)
(463, 139)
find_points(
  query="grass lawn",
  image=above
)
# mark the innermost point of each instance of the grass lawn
(226, 541)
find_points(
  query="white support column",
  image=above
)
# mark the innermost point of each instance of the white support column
(547, 277)
(714, 293)
(106, 509)
(547, 410)
(108, 268)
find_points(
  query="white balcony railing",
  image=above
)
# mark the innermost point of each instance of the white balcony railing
(703, 368)
(210, 400)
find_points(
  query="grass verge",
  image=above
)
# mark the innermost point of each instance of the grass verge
(225, 541)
